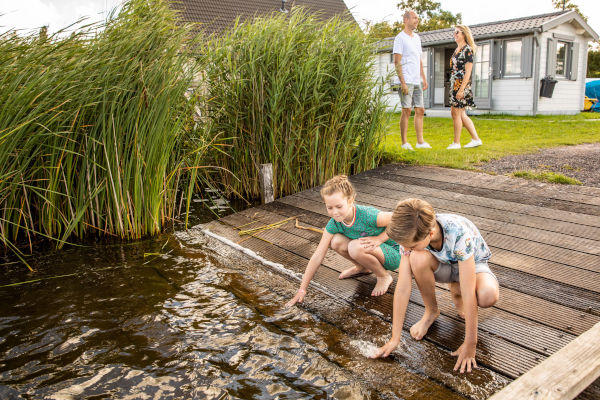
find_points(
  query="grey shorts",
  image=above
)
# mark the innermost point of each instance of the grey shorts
(414, 98)
(446, 273)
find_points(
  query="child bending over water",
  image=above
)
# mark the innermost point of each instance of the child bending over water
(440, 248)
(358, 234)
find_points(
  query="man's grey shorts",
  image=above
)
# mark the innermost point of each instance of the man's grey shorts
(446, 273)
(414, 98)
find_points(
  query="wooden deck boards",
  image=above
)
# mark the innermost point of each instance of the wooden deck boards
(543, 239)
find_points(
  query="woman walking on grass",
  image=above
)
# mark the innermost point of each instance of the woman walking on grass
(461, 95)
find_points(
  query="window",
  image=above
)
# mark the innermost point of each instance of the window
(512, 58)
(561, 59)
(481, 70)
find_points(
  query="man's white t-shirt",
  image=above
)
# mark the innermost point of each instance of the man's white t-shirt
(410, 48)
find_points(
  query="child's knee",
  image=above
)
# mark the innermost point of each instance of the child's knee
(337, 243)
(355, 249)
(418, 261)
(487, 296)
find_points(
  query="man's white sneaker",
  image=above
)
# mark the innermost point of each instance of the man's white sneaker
(453, 146)
(423, 145)
(407, 146)
(473, 143)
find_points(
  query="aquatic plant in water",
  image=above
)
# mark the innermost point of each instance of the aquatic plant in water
(294, 91)
(96, 135)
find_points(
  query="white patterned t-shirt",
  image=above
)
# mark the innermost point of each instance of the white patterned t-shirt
(461, 240)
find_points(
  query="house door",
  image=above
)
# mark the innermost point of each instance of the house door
(438, 81)
(427, 59)
(482, 75)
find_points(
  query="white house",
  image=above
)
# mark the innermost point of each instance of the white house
(512, 58)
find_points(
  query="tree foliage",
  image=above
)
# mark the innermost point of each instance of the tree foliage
(431, 15)
(593, 70)
(384, 29)
(567, 5)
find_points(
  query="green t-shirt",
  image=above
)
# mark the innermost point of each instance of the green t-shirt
(364, 225)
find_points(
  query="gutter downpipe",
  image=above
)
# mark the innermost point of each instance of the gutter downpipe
(536, 70)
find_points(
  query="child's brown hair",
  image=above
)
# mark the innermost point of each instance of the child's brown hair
(411, 222)
(339, 183)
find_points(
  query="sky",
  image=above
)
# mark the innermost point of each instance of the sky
(32, 14)
(473, 11)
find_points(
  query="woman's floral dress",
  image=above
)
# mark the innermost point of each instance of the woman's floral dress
(458, 62)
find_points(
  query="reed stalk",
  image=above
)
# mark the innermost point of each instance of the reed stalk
(96, 135)
(296, 92)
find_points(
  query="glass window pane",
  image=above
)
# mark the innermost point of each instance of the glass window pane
(561, 51)
(485, 52)
(512, 62)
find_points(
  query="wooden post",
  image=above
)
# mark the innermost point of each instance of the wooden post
(563, 375)
(265, 176)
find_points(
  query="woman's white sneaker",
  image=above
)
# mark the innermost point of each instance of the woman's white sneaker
(423, 145)
(473, 143)
(407, 146)
(454, 146)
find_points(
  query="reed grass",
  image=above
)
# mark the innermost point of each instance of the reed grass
(96, 136)
(294, 91)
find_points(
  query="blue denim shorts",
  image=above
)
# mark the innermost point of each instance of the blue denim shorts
(414, 98)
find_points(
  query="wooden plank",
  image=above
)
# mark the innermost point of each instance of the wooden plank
(578, 276)
(494, 198)
(538, 309)
(557, 233)
(561, 376)
(521, 194)
(500, 182)
(537, 217)
(496, 353)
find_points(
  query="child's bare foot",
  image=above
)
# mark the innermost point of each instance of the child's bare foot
(353, 271)
(418, 330)
(383, 283)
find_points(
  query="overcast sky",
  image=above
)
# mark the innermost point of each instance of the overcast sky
(31, 14)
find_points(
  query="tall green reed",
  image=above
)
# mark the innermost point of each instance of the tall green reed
(296, 92)
(96, 136)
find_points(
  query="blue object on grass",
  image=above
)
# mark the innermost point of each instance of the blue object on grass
(592, 90)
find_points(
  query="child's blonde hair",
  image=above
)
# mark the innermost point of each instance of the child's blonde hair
(411, 222)
(339, 183)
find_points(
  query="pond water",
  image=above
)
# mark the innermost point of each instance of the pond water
(183, 316)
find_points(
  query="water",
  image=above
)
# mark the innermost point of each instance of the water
(182, 316)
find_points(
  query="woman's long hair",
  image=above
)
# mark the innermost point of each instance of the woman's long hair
(468, 36)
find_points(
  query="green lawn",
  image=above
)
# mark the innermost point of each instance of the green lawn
(501, 134)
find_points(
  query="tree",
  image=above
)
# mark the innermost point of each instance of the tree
(568, 5)
(593, 70)
(382, 30)
(431, 15)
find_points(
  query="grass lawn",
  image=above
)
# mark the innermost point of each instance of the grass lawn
(501, 134)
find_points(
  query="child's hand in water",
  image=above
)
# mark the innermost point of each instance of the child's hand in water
(298, 298)
(369, 242)
(386, 349)
(466, 357)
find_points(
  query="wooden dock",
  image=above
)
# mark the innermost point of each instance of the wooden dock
(544, 239)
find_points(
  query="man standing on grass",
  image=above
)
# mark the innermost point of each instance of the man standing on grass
(409, 67)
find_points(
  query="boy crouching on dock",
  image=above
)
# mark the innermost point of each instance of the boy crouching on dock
(445, 248)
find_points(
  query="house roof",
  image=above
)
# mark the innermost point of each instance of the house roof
(215, 16)
(515, 26)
